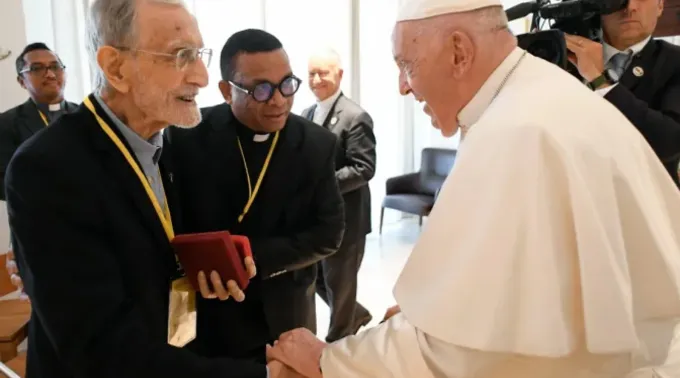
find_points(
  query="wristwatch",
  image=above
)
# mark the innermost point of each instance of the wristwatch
(607, 77)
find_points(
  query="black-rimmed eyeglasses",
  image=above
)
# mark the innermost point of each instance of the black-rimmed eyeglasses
(264, 91)
(41, 70)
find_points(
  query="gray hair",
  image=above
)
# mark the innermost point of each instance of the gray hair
(112, 23)
(330, 53)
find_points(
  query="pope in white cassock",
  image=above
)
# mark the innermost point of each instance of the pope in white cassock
(554, 248)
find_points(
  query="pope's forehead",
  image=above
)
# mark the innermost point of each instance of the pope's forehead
(405, 35)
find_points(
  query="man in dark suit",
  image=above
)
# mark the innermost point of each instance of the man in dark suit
(90, 201)
(254, 169)
(355, 166)
(637, 74)
(42, 74)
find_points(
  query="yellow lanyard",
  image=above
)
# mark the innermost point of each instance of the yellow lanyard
(253, 192)
(43, 118)
(164, 214)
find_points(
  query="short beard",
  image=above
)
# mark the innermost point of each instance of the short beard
(191, 126)
(158, 103)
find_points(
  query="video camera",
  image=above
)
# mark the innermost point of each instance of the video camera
(577, 17)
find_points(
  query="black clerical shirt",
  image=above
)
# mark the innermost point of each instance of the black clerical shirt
(249, 314)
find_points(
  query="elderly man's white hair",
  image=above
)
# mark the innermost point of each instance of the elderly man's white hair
(112, 23)
(328, 53)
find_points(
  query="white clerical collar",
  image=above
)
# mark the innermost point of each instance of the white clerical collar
(474, 109)
(260, 137)
(327, 103)
(608, 51)
(55, 107)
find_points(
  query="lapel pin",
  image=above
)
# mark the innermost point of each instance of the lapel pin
(334, 120)
(638, 71)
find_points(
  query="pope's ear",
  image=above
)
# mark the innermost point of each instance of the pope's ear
(113, 65)
(462, 53)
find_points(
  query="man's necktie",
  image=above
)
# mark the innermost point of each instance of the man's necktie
(618, 62)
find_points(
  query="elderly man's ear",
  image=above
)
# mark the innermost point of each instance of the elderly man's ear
(116, 71)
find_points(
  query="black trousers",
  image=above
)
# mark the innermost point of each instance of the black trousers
(336, 284)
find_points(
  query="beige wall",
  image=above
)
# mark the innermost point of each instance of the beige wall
(12, 37)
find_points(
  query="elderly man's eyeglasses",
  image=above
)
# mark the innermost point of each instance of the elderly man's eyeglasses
(264, 91)
(41, 70)
(183, 57)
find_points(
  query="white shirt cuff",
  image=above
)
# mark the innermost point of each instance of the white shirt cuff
(603, 91)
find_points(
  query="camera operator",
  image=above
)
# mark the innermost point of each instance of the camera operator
(639, 75)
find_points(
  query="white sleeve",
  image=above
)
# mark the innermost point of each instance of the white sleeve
(388, 350)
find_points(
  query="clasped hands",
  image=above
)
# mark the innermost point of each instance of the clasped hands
(297, 353)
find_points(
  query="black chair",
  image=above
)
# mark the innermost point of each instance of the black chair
(415, 193)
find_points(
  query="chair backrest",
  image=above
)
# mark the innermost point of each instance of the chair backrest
(435, 165)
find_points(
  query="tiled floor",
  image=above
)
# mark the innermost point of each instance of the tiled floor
(384, 258)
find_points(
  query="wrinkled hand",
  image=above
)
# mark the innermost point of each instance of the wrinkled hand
(394, 310)
(13, 271)
(586, 55)
(299, 349)
(279, 370)
(232, 289)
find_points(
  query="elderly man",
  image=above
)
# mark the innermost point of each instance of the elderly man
(355, 165)
(90, 217)
(562, 263)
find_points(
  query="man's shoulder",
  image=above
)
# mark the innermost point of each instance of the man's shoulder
(666, 56)
(208, 113)
(668, 48)
(350, 106)
(210, 117)
(14, 112)
(71, 106)
(316, 140)
(64, 139)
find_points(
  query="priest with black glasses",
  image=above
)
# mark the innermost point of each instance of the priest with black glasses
(255, 169)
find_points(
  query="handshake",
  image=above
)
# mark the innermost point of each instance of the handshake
(297, 353)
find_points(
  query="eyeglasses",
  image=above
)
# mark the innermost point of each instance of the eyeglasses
(183, 57)
(41, 70)
(264, 91)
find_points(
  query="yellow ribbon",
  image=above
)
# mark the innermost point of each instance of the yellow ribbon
(252, 193)
(164, 214)
(43, 118)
